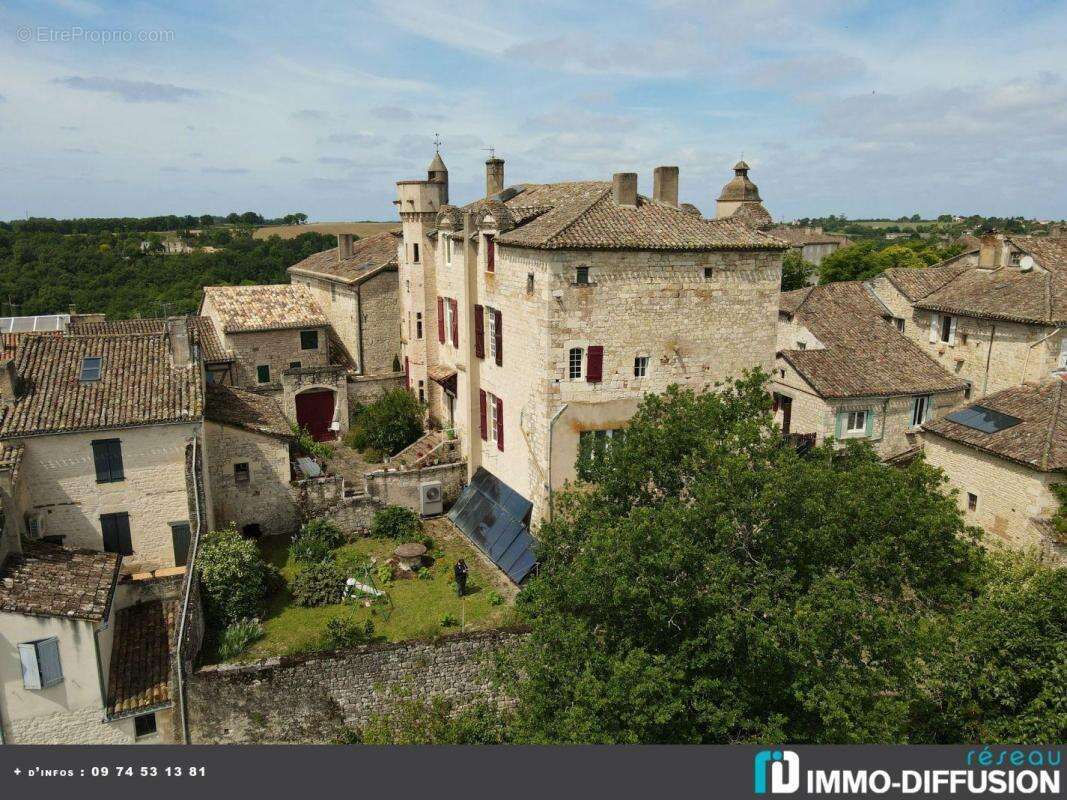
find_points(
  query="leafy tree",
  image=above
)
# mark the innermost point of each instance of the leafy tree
(233, 577)
(796, 271)
(898, 256)
(857, 262)
(389, 424)
(714, 586)
(395, 522)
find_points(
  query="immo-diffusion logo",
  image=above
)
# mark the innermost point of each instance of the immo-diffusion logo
(784, 769)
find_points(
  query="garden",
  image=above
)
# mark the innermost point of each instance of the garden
(316, 590)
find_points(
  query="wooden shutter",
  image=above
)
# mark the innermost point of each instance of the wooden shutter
(499, 336)
(499, 424)
(116, 530)
(110, 532)
(952, 330)
(48, 662)
(31, 673)
(441, 320)
(841, 416)
(455, 322)
(481, 415)
(594, 368)
(115, 459)
(870, 424)
(100, 459)
(490, 254)
(407, 373)
(181, 537)
(935, 333)
(479, 331)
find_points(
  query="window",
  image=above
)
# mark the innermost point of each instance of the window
(967, 391)
(581, 276)
(450, 321)
(448, 249)
(333, 291)
(91, 368)
(529, 283)
(491, 418)
(972, 501)
(294, 365)
(640, 366)
(574, 363)
(948, 328)
(802, 345)
(920, 410)
(263, 374)
(494, 331)
(41, 667)
(593, 446)
(107, 456)
(418, 325)
(309, 340)
(422, 391)
(180, 537)
(116, 531)
(415, 253)
(855, 423)
(490, 254)
(709, 273)
(144, 725)
(1015, 258)
(899, 322)
(242, 473)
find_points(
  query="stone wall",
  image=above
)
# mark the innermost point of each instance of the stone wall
(308, 698)
(401, 487)
(305, 379)
(277, 350)
(379, 307)
(366, 389)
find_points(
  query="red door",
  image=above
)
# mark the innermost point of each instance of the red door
(314, 411)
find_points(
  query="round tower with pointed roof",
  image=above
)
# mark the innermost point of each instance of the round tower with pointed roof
(740, 199)
(437, 172)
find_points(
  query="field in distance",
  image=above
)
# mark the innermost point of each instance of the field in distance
(361, 229)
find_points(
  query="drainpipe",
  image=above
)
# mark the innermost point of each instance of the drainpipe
(551, 431)
(988, 358)
(359, 328)
(1030, 349)
(190, 567)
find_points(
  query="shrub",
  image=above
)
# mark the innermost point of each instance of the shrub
(236, 638)
(319, 584)
(342, 632)
(391, 422)
(316, 541)
(434, 721)
(495, 599)
(233, 578)
(307, 443)
(395, 522)
(449, 621)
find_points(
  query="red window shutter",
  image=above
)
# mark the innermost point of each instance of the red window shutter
(499, 338)
(479, 331)
(455, 322)
(594, 368)
(481, 411)
(441, 320)
(490, 254)
(499, 424)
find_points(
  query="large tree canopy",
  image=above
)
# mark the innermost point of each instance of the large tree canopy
(714, 586)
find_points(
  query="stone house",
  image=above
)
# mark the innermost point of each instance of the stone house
(283, 345)
(1001, 455)
(995, 317)
(811, 244)
(845, 371)
(249, 462)
(97, 430)
(549, 310)
(356, 286)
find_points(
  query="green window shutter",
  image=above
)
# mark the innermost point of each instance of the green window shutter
(841, 415)
(870, 423)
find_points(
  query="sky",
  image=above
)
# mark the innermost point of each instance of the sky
(869, 109)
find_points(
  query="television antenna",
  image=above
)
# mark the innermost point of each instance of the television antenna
(437, 141)
(491, 151)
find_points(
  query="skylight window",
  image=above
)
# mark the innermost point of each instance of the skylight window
(983, 419)
(91, 368)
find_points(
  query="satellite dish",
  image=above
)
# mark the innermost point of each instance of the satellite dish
(1026, 263)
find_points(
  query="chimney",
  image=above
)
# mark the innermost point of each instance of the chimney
(178, 338)
(494, 176)
(989, 251)
(1057, 231)
(9, 381)
(624, 188)
(665, 185)
(344, 246)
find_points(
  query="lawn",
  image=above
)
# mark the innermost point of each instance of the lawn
(416, 606)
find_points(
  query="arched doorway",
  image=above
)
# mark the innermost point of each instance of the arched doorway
(314, 411)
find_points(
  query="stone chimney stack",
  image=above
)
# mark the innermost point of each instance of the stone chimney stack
(665, 185)
(624, 188)
(494, 176)
(344, 246)
(989, 253)
(181, 350)
(9, 381)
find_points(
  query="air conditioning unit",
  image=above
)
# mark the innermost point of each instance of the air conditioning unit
(431, 498)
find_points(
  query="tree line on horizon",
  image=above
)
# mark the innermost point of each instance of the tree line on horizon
(157, 224)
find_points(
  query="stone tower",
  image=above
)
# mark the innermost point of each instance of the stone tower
(740, 200)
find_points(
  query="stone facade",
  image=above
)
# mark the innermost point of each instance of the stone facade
(401, 487)
(1008, 496)
(64, 493)
(324, 692)
(265, 499)
(309, 379)
(366, 389)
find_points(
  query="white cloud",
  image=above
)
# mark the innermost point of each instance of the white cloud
(130, 91)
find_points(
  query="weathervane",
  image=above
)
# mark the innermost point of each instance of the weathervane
(436, 141)
(491, 150)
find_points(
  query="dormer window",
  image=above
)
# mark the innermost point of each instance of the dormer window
(91, 368)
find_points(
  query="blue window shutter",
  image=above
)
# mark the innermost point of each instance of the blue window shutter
(49, 663)
(840, 424)
(31, 673)
(870, 423)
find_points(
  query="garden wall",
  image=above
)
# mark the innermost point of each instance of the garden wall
(306, 699)
(365, 389)
(401, 487)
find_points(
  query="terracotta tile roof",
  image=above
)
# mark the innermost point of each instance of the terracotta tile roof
(202, 328)
(1039, 441)
(139, 680)
(802, 236)
(752, 214)
(11, 458)
(915, 284)
(265, 307)
(369, 255)
(864, 355)
(138, 385)
(53, 581)
(252, 411)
